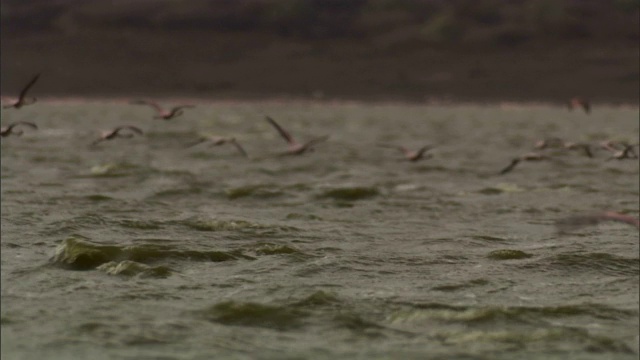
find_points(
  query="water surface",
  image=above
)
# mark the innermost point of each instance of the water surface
(144, 249)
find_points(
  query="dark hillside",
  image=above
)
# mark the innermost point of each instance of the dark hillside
(486, 50)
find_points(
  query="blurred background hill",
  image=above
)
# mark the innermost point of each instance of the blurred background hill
(484, 50)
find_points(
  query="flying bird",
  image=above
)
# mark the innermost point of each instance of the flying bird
(579, 221)
(11, 128)
(218, 141)
(526, 157)
(22, 99)
(557, 143)
(412, 155)
(579, 102)
(619, 150)
(117, 132)
(163, 113)
(613, 145)
(295, 148)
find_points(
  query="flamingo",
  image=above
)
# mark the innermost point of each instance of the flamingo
(22, 99)
(533, 156)
(412, 155)
(557, 143)
(295, 148)
(626, 152)
(217, 141)
(9, 129)
(164, 114)
(115, 133)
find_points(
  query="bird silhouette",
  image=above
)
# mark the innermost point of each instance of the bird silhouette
(295, 148)
(163, 113)
(22, 99)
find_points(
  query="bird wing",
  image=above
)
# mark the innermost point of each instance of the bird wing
(30, 124)
(282, 131)
(7, 129)
(200, 141)
(176, 108)
(135, 129)
(625, 219)
(239, 147)
(510, 167)
(423, 149)
(127, 127)
(405, 151)
(97, 141)
(628, 152)
(153, 104)
(534, 156)
(23, 93)
(587, 150)
(316, 140)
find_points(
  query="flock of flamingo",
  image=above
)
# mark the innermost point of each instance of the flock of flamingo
(619, 150)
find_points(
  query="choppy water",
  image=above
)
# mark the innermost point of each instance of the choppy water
(143, 249)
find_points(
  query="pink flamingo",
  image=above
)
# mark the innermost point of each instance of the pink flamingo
(115, 133)
(164, 114)
(9, 129)
(217, 141)
(295, 148)
(557, 143)
(412, 155)
(22, 99)
(526, 157)
(619, 150)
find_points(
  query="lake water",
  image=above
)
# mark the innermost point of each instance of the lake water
(143, 248)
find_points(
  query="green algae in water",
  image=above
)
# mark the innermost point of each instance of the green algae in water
(275, 249)
(317, 299)
(107, 170)
(132, 268)
(140, 224)
(232, 225)
(150, 253)
(358, 325)
(99, 197)
(488, 238)
(297, 216)
(465, 285)
(254, 314)
(179, 192)
(78, 254)
(217, 225)
(500, 189)
(254, 191)
(350, 193)
(508, 254)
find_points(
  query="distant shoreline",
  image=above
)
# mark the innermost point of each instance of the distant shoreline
(250, 66)
(322, 102)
